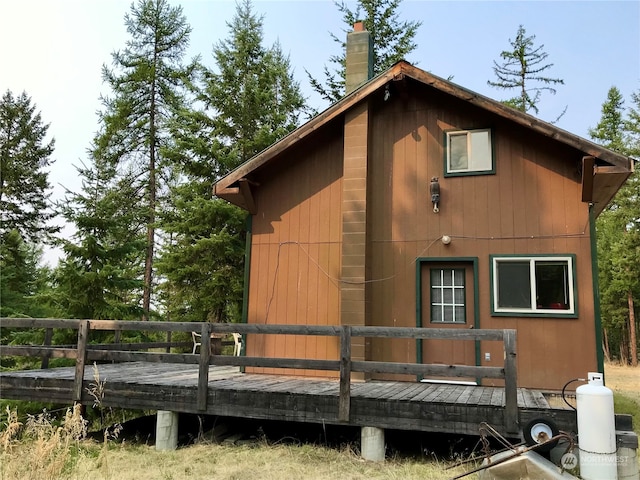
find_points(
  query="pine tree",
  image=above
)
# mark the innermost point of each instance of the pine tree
(523, 69)
(100, 275)
(149, 87)
(24, 156)
(250, 102)
(18, 274)
(254, 98)
(392, 41)
(609, 131)
(618, 233)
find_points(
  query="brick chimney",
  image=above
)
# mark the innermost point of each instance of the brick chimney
(354, 304)
(359, 58)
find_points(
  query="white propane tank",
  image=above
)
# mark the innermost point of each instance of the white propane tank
(596, 430)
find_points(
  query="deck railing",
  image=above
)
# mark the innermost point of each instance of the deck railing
(85, 352)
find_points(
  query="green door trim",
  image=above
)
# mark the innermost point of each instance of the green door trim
(476, 297)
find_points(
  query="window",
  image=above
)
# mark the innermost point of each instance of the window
(533, 285)
(447, 295)
(469, 152)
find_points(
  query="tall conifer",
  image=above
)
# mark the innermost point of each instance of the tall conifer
(523, 70)
(392, 41)
(249, 100)
(148, 82)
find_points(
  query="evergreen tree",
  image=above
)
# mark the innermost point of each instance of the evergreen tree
(249, 103)
(148, 85)
(618, 235)
(18, 274)
(100, 275)
(24, 156)
(392, 41)
(523, 69)
(253, 97)
(610, 130)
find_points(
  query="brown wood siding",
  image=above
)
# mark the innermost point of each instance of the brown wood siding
(295, 252)
(531, 205)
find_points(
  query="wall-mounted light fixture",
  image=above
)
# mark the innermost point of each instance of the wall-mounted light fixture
(446, 239)
(434, 189)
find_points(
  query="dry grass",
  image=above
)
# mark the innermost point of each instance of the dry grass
(267, 462)
(623, 379)
(40, 449)
(56, 455)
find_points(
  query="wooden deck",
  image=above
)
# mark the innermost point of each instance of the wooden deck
(434, 407)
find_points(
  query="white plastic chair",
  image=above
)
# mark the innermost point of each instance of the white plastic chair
(237, 338)
(197, 340)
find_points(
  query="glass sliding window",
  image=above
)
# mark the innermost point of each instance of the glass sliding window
(536, 285)
(468, 152)
(447, 295)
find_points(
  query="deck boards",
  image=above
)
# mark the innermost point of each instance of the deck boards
(442, 407)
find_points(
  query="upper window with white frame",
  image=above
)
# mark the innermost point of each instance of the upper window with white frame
(533, 285)
(468, 152)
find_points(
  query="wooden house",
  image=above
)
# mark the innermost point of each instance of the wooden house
(416, 202)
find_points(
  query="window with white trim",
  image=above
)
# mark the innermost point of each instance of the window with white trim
(447, 295)
(469, 152)
(533, 285)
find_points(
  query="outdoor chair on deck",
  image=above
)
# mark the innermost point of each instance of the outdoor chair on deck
(197, 340)
(237, 347)
(216, 343)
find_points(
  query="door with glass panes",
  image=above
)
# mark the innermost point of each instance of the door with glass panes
(448, 301)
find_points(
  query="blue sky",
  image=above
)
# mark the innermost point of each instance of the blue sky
(54, 50)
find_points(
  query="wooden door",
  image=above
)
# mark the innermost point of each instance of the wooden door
(448, 301)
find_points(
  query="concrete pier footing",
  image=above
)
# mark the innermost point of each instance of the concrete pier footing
(372, 444)
(166, 430)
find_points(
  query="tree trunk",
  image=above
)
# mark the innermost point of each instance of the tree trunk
(633, 343)
(624, 359)
(605, 345)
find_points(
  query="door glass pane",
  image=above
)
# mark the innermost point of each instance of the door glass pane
(448, 314)
(459, 296)
(436, 295)
(447, 295)
(459, 276)
(435, 277)
(514, 285)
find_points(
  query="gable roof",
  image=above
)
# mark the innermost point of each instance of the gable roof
(604, 171)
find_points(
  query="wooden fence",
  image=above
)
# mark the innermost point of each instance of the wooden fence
(85, 352)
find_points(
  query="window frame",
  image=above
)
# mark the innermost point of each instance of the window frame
(448, 172)
(571, 312)
(453, 303)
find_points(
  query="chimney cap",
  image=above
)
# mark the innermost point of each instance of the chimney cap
(358, 26)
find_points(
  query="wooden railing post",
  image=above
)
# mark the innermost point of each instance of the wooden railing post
(203, 372)
(48, 336)
(510, 382)
(344, 404)
(168, 350)
(81, 358)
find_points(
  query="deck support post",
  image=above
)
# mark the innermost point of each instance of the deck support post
(166, 430)
(372, 443)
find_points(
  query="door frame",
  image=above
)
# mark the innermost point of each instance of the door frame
(476, 298)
